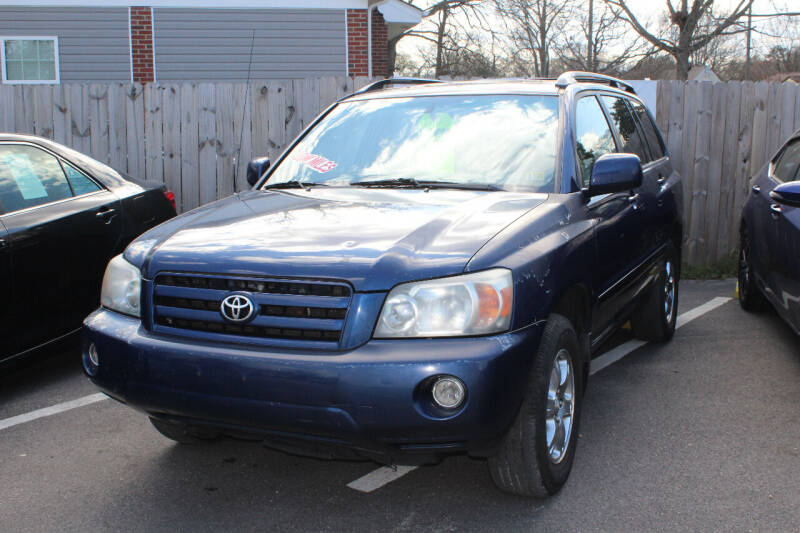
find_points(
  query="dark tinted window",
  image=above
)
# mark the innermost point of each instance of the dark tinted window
(593, 135)
(649, 130)
(81, 184)
(29, 177)
(621, 114)
(787, 163)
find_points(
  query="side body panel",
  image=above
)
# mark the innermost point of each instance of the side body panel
(7, 339)
(59, 254)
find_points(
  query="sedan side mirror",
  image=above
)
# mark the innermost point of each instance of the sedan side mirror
(615, 173)
(256, 168)
(787, 194)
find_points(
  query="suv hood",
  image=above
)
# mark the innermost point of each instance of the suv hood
(373, 238)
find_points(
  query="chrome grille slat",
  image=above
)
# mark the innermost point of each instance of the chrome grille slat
(305, 311)
(263, 321)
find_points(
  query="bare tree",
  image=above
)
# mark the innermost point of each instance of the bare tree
(593, 32)
(688, 35)
(440, 19)
(531, 27)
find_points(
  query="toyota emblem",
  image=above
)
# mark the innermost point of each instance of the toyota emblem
(237, 308)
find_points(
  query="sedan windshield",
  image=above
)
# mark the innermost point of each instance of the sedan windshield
(487, 142)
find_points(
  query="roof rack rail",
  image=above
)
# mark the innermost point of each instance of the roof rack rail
(575, 76)
(380, 84)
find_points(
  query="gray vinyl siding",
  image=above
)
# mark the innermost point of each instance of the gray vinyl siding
(214, 44)
(92, 42)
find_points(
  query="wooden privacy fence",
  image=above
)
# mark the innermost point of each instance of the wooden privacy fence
(198, 137)
(719, 135)
(195, 137)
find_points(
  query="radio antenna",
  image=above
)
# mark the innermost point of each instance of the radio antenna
(244, 107)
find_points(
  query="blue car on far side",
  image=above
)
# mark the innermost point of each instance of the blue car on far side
(769, 254)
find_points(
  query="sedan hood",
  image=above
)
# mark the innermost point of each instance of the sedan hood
(374, 238)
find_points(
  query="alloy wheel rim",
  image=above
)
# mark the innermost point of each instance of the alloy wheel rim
(744, 270)
(560, 407)
(669, 290)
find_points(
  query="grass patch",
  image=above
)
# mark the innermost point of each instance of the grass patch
(725, 268)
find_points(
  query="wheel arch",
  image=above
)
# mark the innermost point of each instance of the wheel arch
(574, 303)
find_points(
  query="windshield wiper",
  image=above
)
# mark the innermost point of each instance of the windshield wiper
(396, 182)
(427, 184)
(294, 184)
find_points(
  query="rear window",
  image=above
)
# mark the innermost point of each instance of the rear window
(508, 141)
(649, 129)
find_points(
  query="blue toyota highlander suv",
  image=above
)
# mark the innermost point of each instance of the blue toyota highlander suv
(428, 269)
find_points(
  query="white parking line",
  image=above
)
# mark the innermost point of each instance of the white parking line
(52, 410)
(380, 477)
(614, 355)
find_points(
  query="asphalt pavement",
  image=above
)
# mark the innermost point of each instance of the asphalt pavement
(699, 434)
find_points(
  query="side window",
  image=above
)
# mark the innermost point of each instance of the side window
(29, 177)
(593, 135)
(649, 130)
(786, 165)
(621, 114)
(81, 184)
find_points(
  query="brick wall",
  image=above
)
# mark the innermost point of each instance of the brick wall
(357, 58)
(142, 44)
(380, 46)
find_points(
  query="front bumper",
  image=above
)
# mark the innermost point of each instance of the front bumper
(371, 398)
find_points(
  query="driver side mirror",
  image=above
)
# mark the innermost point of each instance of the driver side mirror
(787, 194)
(256, 168)
(615, 173)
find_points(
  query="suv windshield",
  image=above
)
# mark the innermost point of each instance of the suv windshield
(489, 142)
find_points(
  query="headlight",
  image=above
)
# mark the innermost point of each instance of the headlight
(122, 287)
(472, 304)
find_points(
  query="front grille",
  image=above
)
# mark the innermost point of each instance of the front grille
(257, 286)
(286, 309)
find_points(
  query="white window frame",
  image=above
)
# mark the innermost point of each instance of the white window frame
(4, 38)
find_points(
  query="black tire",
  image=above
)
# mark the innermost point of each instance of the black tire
(655, 318)
(182, 433)
(751, 298)
(523, 464)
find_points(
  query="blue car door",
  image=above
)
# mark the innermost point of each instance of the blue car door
(620, 228)
(783, 240)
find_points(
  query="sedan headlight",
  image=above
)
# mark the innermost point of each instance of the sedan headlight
(122, 287)
(471, 304)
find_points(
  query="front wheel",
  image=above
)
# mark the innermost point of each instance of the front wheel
(750, 297)
(536, 455)
(655, 319)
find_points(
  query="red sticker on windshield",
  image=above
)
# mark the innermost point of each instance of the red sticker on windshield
(316, 162)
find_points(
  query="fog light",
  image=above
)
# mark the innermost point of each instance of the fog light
(93, 356)
(448, 392)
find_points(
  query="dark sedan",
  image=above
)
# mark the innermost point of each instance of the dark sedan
(769, 256)
(63, 215)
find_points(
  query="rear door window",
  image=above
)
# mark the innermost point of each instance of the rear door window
(622, 116)
(649, 130)
(30, 177)
(80, 182)
(787, 164)
(593, 135)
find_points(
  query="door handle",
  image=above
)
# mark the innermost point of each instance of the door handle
(756, 189)
(105, 212)
(661, 179)
(776, 210)
(634, 200)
